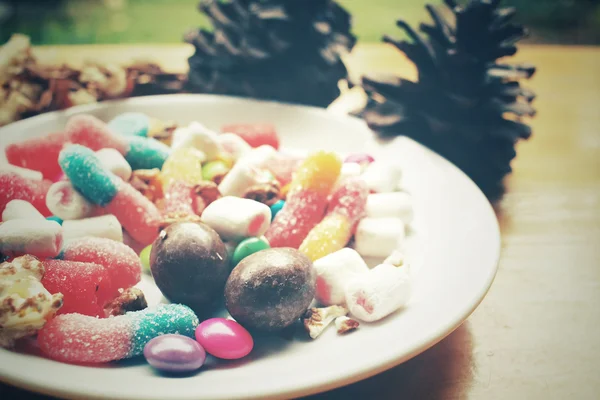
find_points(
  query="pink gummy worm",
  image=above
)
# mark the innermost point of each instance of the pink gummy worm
(302, 212)
(16, 187)
(350, 199)
(82, 339)
(138, 215)
(120, 261)
(90, 131)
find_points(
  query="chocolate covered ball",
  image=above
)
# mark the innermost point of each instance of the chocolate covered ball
(190, 266)
(271, 289)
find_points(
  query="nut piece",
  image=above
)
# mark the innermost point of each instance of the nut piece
(25, 304)
(131, 299)
(207, 192)
(162, 130)
(147, 182)
(344, 324)
(266, 193)
(317, 319)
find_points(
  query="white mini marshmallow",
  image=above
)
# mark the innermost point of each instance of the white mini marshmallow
(235, 218)
(240, 178)
(260, 157)
(378, 237)
(379, 292)
(66, 203)
(21, 209)
(105, 226)
(382, 177)
(233, 145)
(198, 136)
(334, 271)
(396, 258)
(23, 172)
(30, 236)
(114, 161)
(394, 204)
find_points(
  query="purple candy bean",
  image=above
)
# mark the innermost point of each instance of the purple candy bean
(174, 353)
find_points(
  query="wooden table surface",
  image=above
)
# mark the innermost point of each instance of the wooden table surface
(536, 335)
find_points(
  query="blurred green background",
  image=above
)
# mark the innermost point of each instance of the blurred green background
(165, 21)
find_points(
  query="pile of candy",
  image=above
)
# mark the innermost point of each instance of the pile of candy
(213, 217)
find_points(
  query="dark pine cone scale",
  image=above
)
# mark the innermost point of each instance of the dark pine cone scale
(466, 105)
(284, 50)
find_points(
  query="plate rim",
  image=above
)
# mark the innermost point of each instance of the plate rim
(358, 374)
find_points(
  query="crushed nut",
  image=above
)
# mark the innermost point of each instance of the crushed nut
(206, 192)
(162, 130)
(131, 299)
(25, 304)
(147, 182)
(28, 88)
(345, 324)
(266, 193)
(317, 319)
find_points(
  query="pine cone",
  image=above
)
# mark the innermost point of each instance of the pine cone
(465, 105)
(285, 50)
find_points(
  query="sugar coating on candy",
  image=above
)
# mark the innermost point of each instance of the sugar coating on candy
(93, 133)
(120, 261)
(39, 154)
(306, 200)
(85, 286)
(77, 338)
(179, 199)
(349, 199)
(138, 215)
(329, 235)
(163, 319)
(185, 165)
(255, 134)
(15, 187)
(24, 172)
(146, 153)
(40, 189)
(318, 172)
(88, 175)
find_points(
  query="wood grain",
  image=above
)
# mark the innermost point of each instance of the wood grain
(535, 335)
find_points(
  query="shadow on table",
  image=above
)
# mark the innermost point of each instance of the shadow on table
(443, 372)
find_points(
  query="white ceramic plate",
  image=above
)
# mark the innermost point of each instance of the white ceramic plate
(456, 229)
